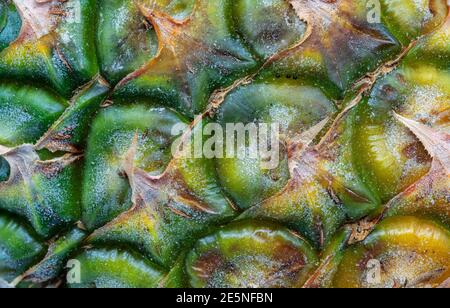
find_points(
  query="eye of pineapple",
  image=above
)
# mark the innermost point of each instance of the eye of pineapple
(295, 108)
(126, 40)
(19, 247)
(10, 23)
(401, 252)
(4, 170)
(253, 255)
(26, 112)
(115, 268)
(269, 26)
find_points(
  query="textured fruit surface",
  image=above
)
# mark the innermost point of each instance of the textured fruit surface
(250, 255)
(99, 99)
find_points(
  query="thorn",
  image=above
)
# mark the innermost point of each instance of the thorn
(128, 161)
(437, 143)
(308, 137)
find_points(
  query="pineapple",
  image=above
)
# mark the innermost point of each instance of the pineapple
(92, 195)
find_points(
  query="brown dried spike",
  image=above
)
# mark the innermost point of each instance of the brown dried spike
(437, 143)
(37, 18)
(362, 229)
(170, 182)
(24, 162)
(298, 145)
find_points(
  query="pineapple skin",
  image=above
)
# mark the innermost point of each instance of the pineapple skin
(92, 196)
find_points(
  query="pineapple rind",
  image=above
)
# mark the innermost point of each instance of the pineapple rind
(144, 214)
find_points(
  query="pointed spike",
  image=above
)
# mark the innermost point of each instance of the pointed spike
(308, 137)
(37, 19)
(437, 143)
(302, 141)
(128, 161)
(300, 144)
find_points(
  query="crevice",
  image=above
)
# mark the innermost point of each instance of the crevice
(361, 88)
(219, 96)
